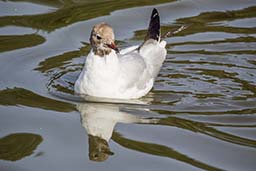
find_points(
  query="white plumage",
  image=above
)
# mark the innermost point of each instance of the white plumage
(129, 74)
(123, 76)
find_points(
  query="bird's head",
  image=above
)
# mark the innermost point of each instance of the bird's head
(103, 39)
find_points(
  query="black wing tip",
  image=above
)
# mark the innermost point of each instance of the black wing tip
(154, 26)
(154, 13)
(154, 10)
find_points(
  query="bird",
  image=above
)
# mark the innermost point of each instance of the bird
(126, 74)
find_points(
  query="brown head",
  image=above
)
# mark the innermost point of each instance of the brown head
(102, 39)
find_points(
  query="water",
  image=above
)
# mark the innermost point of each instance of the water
(200, 115)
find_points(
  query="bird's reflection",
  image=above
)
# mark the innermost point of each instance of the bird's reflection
(99, 121)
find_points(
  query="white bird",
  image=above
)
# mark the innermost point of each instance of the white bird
(128, 74)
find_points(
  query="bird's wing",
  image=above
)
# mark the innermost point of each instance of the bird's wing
(133, 70)
(129, 49)
(140, 65)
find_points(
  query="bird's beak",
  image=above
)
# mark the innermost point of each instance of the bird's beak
(113, 46)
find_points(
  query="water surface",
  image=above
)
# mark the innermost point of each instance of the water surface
(200, 115)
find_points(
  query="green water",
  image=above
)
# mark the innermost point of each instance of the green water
(200, 115)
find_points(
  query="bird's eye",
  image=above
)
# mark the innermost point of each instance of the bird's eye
(98, 37)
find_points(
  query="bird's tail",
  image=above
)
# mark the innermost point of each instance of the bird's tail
(154, 26)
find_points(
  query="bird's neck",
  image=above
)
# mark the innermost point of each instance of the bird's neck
(101, 51)
(108, 62)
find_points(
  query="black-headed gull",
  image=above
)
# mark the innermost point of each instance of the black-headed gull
(127, 74)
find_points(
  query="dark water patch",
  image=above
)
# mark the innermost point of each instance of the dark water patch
(13, 42)
(228, 120)
(246, 39)
(198, 28)
(204, 96)
(21, 96)
(176, 76)
(159, 150)
(220, 47)
(204, 62)
(252, 62)
(63, 82)
(208, 130)
(166, 110)
(201, 23)
(60, 61)
(237, 52)
(245, 85)
(16, 146)
(207, 17)
(72, 13)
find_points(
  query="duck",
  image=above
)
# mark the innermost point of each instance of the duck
(126, 74)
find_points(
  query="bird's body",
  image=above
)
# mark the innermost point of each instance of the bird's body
(126, 75)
